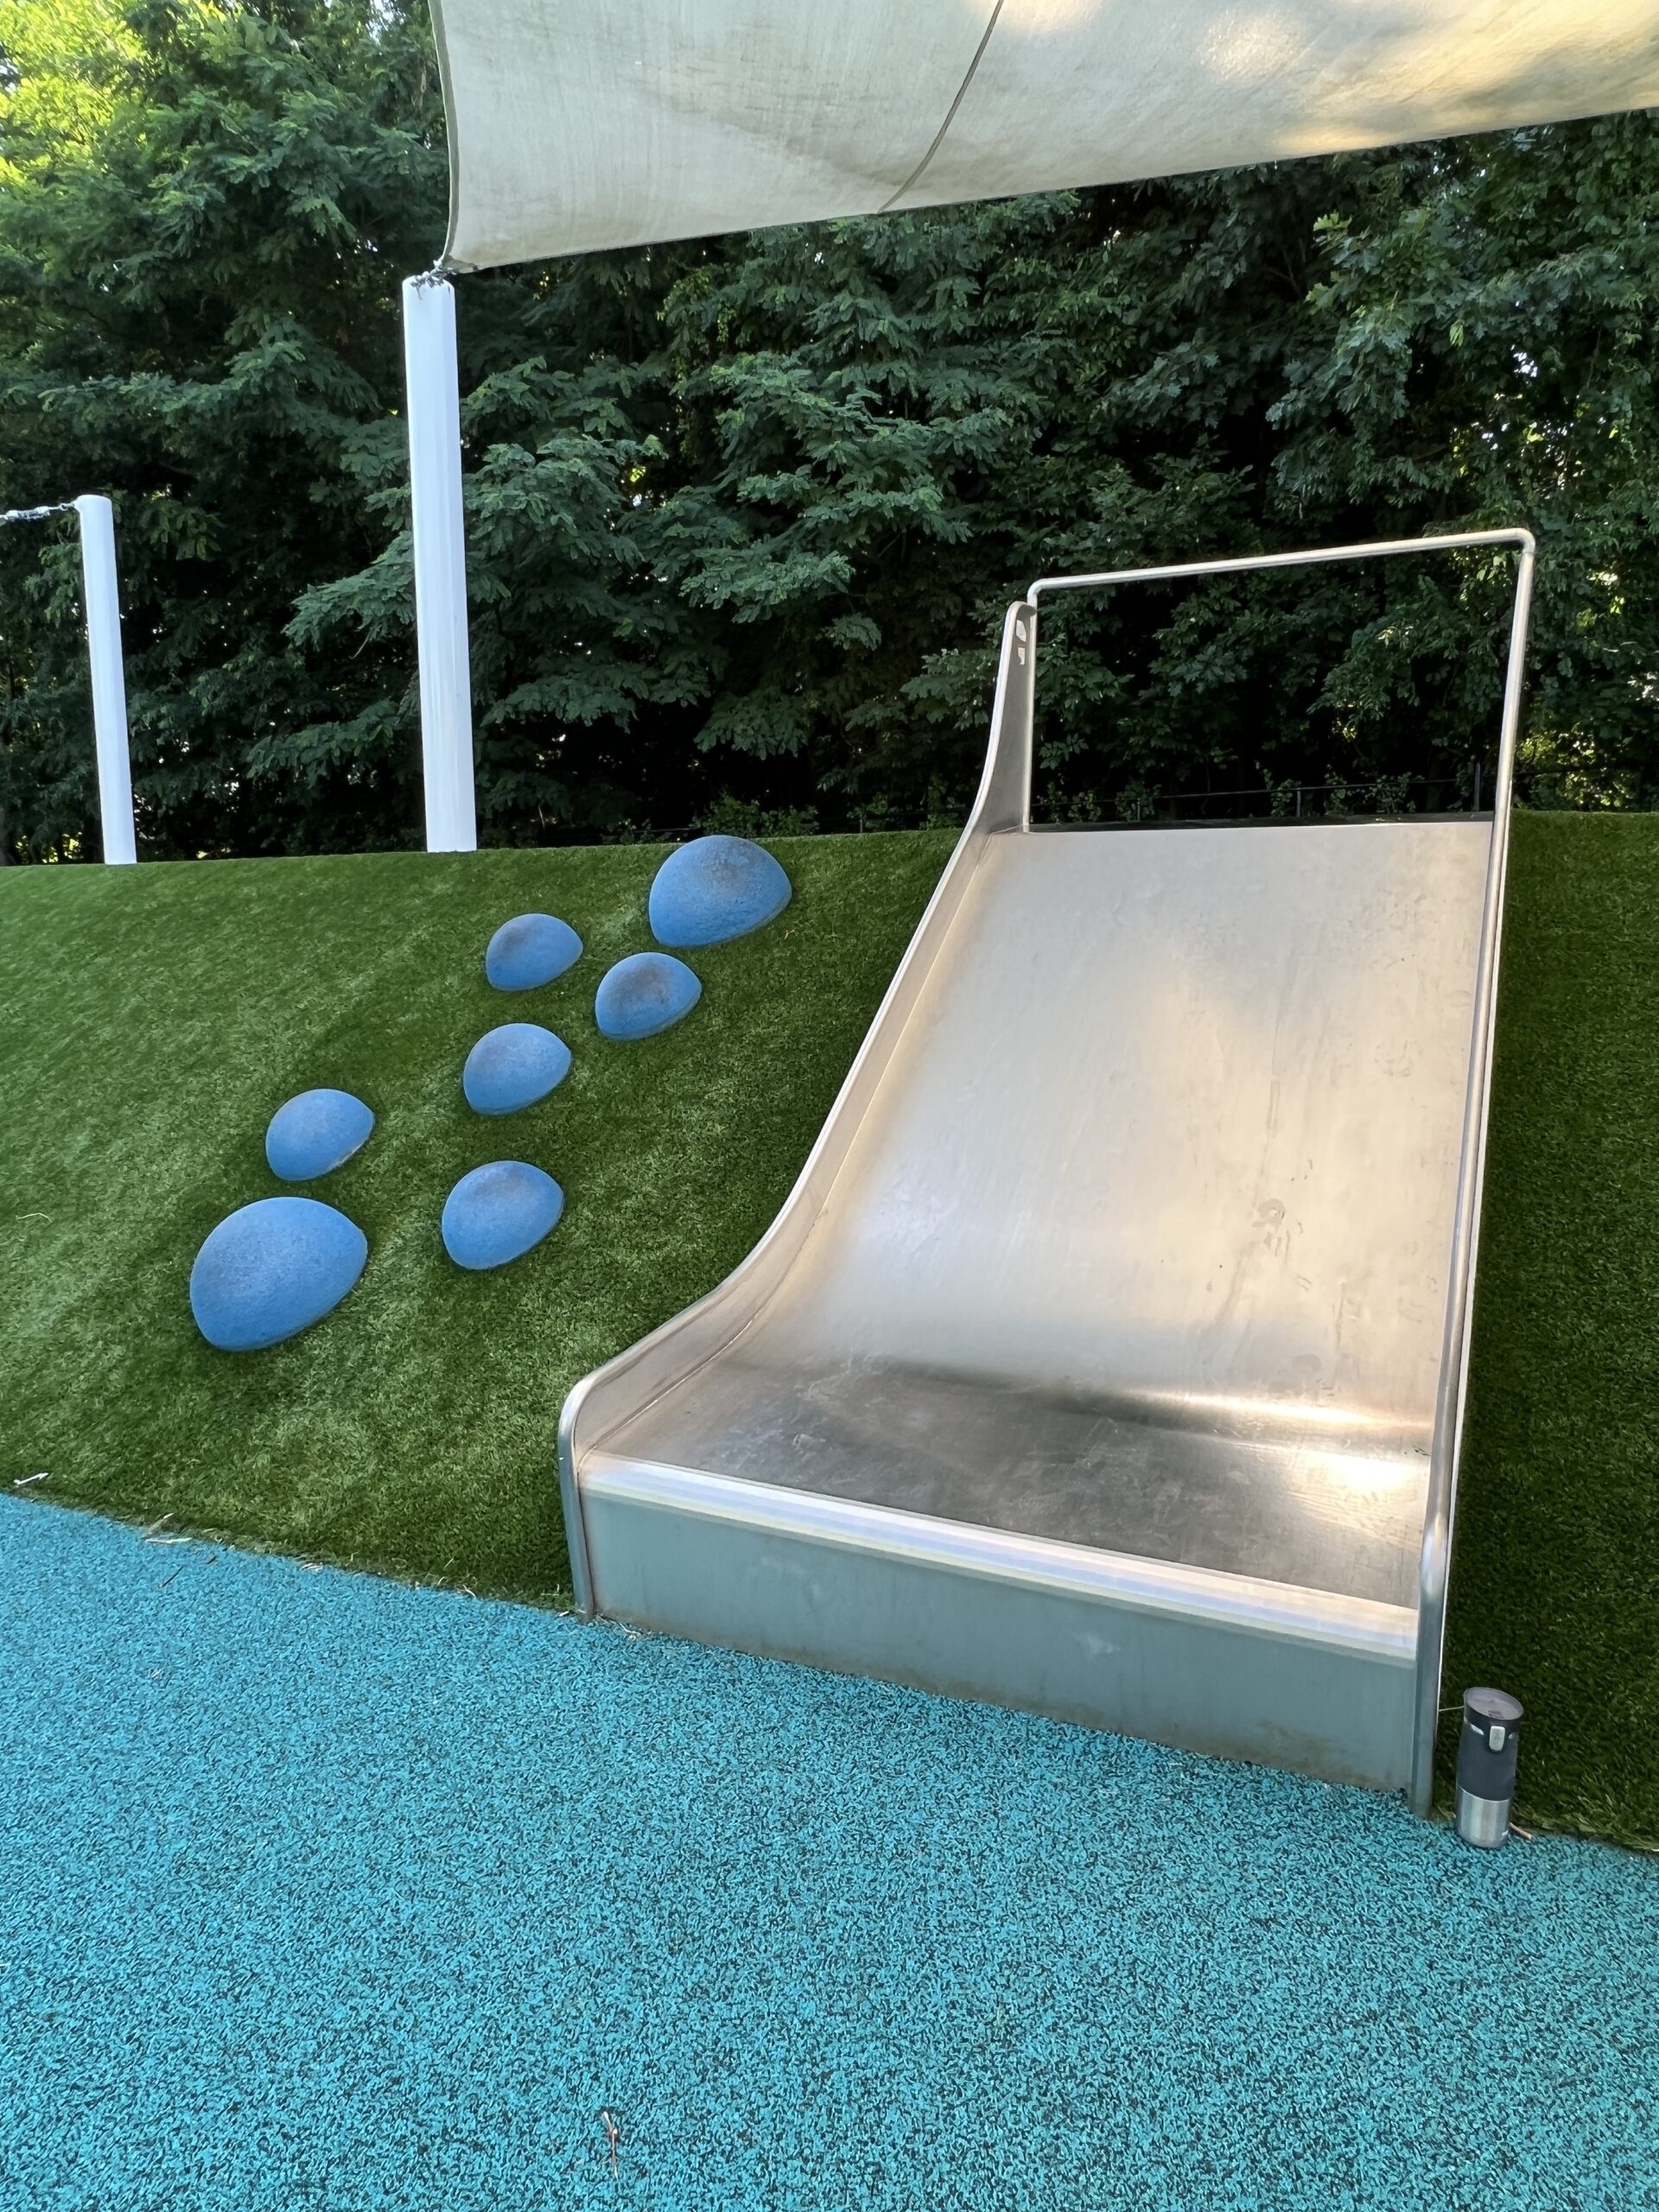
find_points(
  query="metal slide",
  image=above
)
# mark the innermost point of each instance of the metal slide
(1108, 1359)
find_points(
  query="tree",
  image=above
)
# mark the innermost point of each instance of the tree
(198, 313)
(743, 513)
(848, 446)
(1440, 337)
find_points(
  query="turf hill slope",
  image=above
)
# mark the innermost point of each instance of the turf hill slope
(1555, 1557)
(151, 1019)
(154, 1018)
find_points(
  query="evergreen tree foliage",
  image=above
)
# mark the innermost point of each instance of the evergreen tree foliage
(743, 513)
(199, 314)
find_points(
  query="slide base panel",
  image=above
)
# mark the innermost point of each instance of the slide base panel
(1291, 1678)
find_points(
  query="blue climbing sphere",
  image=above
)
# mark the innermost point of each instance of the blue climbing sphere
(315, 1133)
(530, 950)
(500, 1212)
(716, 888)
(511, 1067)
(646, 992)
(272, 1268)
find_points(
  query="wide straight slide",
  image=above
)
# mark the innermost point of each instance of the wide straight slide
(1108, 1359)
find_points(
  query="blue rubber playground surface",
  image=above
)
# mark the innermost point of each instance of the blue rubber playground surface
(322, 1892)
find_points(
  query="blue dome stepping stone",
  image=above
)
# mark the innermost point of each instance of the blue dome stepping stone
(716, 888)
(500, 1212)
(511, 1067)
(530, 950)
(646, 992)
(316, 1133)
(272, 1268)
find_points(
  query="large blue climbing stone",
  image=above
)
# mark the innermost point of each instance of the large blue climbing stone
(714, 889)
(272, 1268)
(312, 1135)
(513, 1066)
(646, 992)
(499, 1213)
(530, 950)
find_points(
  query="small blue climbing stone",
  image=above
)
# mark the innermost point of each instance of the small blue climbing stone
(714, 888)
(314, 1134)
(499, 1213)
(272, 1268)
(646, 992)
(530, 950)
(513, 1066)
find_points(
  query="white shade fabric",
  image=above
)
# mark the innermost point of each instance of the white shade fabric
(580, 124)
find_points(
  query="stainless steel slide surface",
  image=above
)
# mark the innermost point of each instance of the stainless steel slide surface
(1108, 1359)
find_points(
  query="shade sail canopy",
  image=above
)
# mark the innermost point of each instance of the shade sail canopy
(580, 124)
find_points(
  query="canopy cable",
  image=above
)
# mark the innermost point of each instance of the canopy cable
(950, 114)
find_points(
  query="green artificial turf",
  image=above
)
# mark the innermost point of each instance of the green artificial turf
(1555, 1561)
(152, 1019)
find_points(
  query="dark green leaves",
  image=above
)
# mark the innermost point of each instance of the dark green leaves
(743, 514)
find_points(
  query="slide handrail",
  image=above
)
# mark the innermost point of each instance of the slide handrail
(1235, 564)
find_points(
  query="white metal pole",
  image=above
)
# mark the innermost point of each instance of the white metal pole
(97, 519)
(434, 388)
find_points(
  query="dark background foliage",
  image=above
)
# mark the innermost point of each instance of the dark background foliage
(743, 513)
